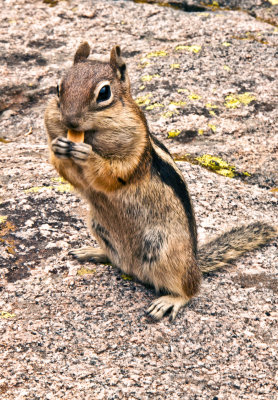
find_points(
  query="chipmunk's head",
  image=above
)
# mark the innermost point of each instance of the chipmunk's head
(91, 86)
(94, 97)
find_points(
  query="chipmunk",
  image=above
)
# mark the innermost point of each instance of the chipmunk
(141, 213)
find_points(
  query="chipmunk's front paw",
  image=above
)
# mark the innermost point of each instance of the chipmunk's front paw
(61, 147)
(65, 149)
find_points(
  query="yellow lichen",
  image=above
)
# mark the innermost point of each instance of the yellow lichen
(143, 100)
(169, 114)
(85, 271)
(209, 105)
(182, 91)
(192, 49)
(178, 103)
(126, 277)
(59, 180)
(214, 6)
(159, 53)
(175, 66)
(235, 100)
(3, 218)
(143, 63)
(148, 78)
(173, 133)
(194, 96)
(226, 44)
(64, 188)
(217, 164)
(212, 127)
(6, 315)
(227, 68)
(154, 105)
(38, 189)
(200, 131)
(273, 2)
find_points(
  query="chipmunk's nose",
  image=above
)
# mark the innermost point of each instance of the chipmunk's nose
(71, 121)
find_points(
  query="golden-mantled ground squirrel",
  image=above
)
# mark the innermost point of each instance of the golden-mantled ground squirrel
(141, 212)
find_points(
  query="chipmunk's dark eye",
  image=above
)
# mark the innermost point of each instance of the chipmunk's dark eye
(104, 94)
(58, 91)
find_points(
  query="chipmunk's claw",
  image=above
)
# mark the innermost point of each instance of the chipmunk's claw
(162, 305)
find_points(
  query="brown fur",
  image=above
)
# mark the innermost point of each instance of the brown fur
(141, 212)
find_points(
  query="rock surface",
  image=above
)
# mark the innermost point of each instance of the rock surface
(207, 81)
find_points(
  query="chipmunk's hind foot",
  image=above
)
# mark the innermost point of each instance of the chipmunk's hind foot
(160, 306)
(90, 253)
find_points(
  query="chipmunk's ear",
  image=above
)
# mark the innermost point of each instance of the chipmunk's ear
(118, 64)
(82, 52)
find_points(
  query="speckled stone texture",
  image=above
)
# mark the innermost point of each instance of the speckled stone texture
(207, 81)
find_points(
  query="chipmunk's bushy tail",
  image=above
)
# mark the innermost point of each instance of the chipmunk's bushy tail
(227, 247)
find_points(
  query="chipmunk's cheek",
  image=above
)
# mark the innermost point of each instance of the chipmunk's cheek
(89, 135)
